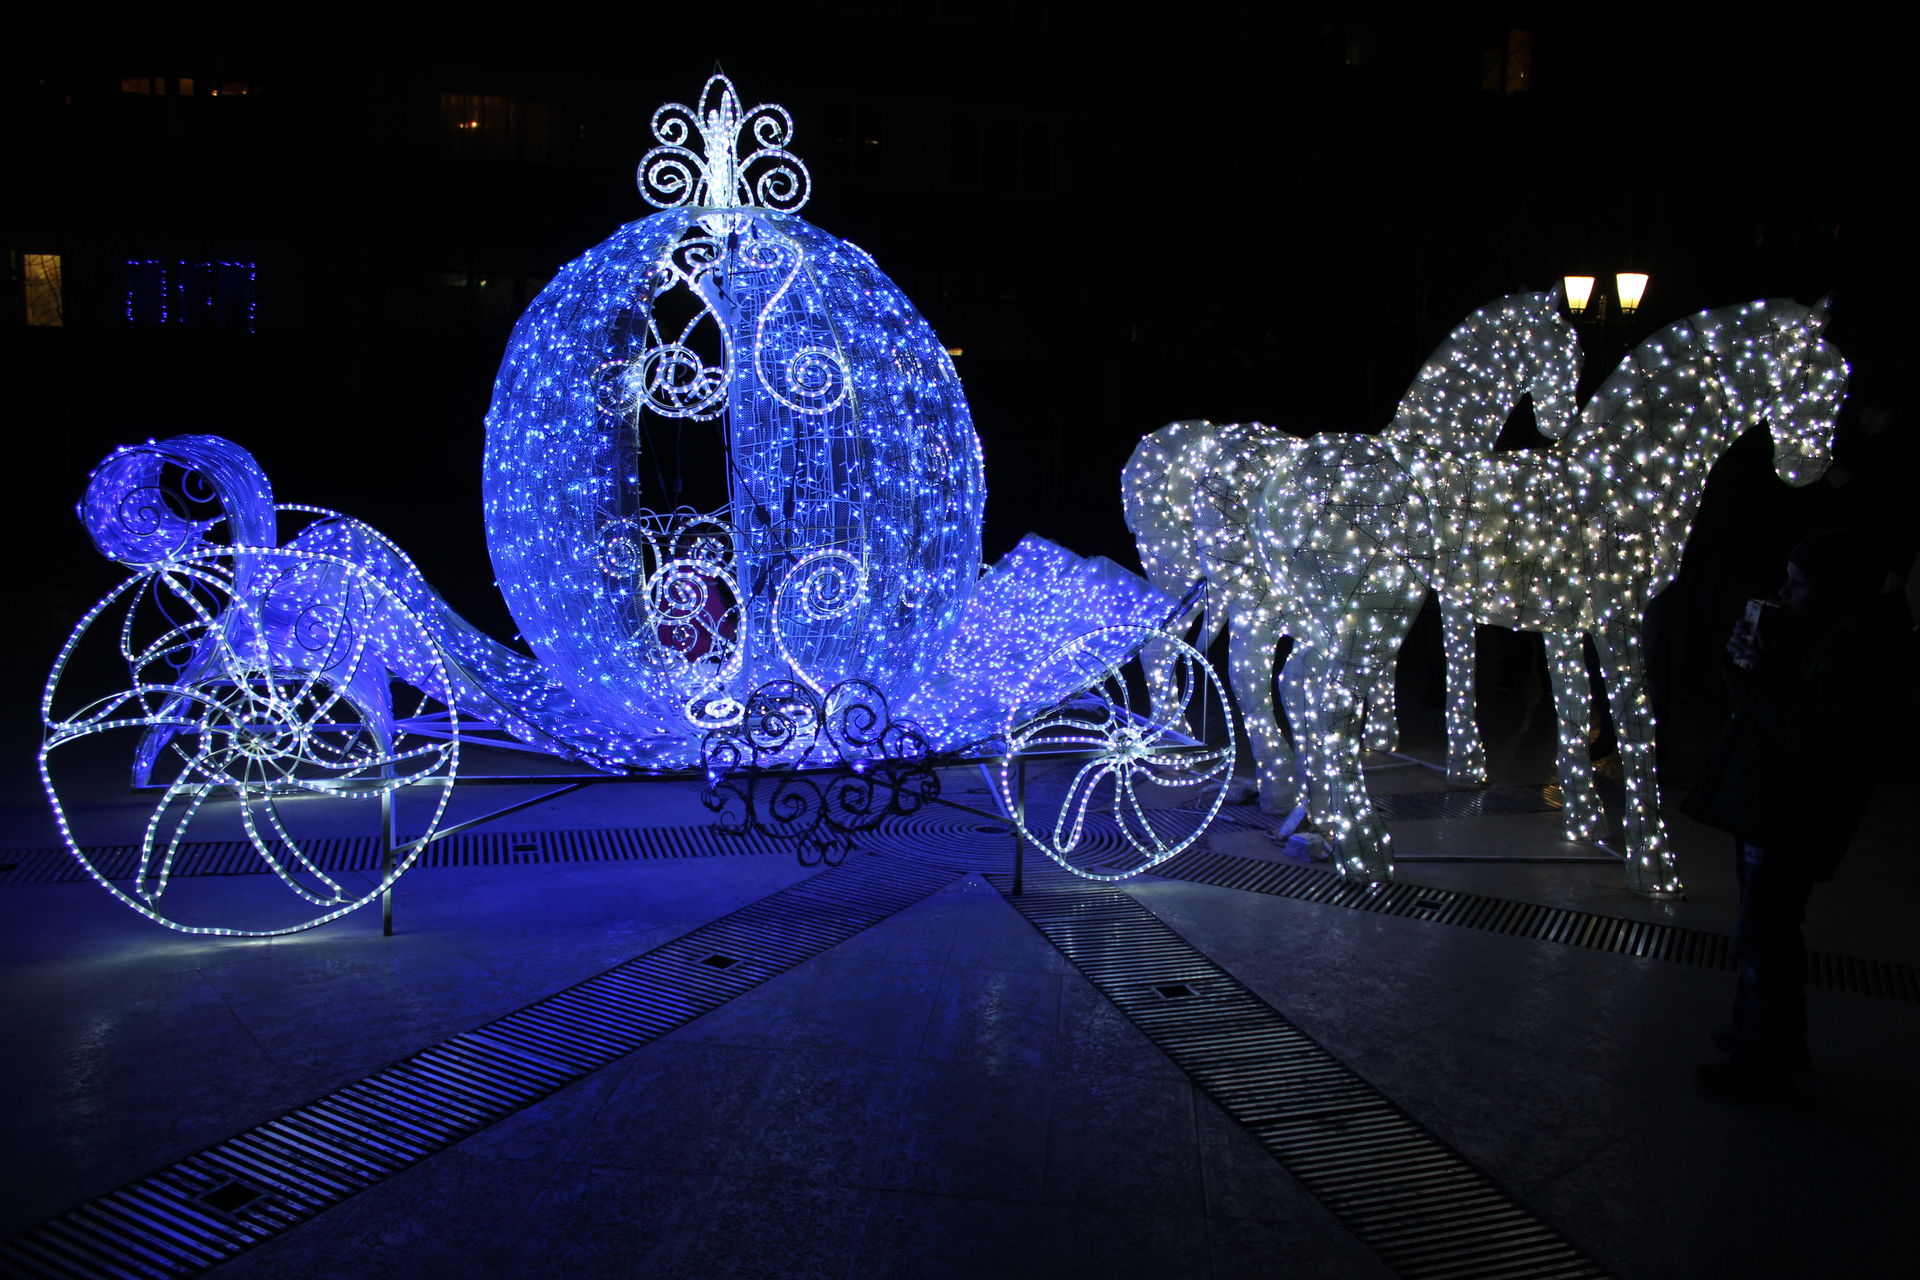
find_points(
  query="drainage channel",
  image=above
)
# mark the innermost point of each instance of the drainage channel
(1885, 979)
(210, 1206)
(1416, 1202)
(467, 849)
(970, 844)
(1480, 802)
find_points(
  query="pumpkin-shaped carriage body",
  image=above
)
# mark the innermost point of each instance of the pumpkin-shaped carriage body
(835, 532)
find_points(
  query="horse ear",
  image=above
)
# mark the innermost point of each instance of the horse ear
(1820, 313)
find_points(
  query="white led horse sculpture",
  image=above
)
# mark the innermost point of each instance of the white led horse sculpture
(1190, 491)
(1569, 541)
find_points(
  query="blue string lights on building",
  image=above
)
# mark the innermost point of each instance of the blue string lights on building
(199, 294)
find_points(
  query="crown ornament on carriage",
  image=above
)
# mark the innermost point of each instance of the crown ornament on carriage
(742, 161)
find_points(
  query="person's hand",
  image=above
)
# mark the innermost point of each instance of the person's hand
(1743, 646)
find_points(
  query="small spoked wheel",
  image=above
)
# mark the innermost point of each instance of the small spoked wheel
(253, 694)
(1095, 779)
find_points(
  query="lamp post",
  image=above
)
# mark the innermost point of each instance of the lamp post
(1629, 287)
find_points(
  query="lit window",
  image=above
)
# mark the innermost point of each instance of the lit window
(185, 86)
(482, 126)
(1507, 66)
(40, 290)
(1519, 60)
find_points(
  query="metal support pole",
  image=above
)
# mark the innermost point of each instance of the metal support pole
(389, 837)
(1020, 821)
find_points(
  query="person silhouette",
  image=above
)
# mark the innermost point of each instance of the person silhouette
(1788, 778)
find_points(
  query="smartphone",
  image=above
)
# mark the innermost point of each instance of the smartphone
(1761, 618)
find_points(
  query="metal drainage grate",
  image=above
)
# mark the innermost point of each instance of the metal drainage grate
(232, 1197)
(974, 842)
(212, 1205)
(1479, 802)
(966, 843)
(466, 849)
(1410, 1197)
(1591, 930)
(986, 844)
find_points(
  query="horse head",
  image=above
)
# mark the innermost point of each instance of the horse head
(1808, 381)
(1780, 368)
(1513, 346)
(1550, 362)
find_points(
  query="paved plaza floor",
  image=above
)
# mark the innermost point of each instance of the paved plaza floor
(946, 1093)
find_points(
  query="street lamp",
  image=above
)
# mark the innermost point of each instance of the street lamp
(1629, 287)
(1579, 294)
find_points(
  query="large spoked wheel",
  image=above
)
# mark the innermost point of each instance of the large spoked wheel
(1096, 780)
(251, 692)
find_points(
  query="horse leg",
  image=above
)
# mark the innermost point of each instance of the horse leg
(1252, 637)
(1466, 752)
(1382, 611)
(1296, 696)
(1315, 708)
(1581, 816)
(1342, 808)
(1650, 864)
(1383, 723)
(1383, 719)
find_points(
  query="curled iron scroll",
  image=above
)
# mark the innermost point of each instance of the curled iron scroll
(817, 770)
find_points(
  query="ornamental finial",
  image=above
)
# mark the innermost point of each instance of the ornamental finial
(768, 176)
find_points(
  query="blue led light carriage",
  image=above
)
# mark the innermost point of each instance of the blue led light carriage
(733, 499)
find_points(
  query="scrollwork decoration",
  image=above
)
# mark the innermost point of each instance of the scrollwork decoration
(722, 174)
(791, 357)
(673, 380)
(861, 767)
(821, 586)
(670, 376)
(154, 503)
(677, 568)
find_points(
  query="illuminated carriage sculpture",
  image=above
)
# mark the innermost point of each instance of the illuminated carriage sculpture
(819, 602)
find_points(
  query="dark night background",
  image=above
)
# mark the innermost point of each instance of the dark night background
(1223, 212)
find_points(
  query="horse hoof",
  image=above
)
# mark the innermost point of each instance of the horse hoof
(1304, 846)
(1242, 791)
(1280, 806)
